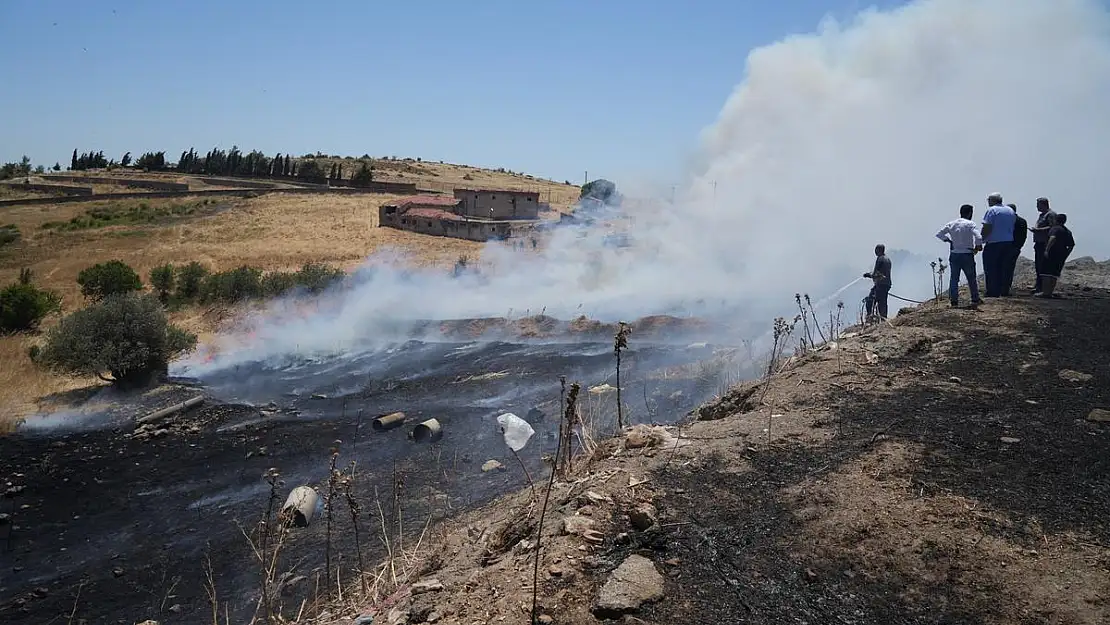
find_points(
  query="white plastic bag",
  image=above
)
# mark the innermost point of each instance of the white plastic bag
(516, 431)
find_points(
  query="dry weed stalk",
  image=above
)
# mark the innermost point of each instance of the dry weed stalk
(355, 509)
(570, 401)
(272, 531)
(329, 500)
(620, 343)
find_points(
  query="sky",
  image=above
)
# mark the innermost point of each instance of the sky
(620, 89)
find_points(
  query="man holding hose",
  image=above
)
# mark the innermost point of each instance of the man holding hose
(880, 275)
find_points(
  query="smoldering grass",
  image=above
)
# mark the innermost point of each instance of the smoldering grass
(620, 343)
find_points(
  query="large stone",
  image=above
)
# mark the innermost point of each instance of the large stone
(634, 583)
(577, 525)
(642, 517)
(1100, 415)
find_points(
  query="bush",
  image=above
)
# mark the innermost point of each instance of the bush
(162, 279)
(123, 339)
(190, 280)
(9, 234)
(106, 279)
(317, 277)
(23, 306)
(277, 283)
(233, 286)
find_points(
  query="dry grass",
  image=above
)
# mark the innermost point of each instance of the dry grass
(271, 231)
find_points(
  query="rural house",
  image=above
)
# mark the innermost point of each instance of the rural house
(439, 215)
(498, 203)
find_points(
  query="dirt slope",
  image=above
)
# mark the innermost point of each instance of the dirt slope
(939, 469)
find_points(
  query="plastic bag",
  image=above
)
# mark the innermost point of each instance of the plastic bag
(516, 431)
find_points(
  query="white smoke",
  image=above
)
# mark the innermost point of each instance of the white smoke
(871, 131)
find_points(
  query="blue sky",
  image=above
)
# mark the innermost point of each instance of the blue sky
(551, 88)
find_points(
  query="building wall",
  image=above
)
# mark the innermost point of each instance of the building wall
(505, 204)
(470, 230)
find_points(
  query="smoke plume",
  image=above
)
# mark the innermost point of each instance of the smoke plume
(874, 130)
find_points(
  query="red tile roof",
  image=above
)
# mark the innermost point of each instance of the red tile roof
(432, 213)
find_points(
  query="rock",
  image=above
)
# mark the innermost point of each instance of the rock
(955, 380)
(492, 465)
(319, 396)
(364, 620)
(289, 586)
(811, 575)
(544, 618)
(422, 609)
(5, 518)
(176, 608)
(117, 572)
(593, 536)
(633, 583)
(149, 622)
(40, 592)
(595, 498)
(643, 516)
(577, 525)
(1009, 440)
(433, 617)
(397, 616)
(427, 585)
(1100, 415)
(1074, 376)
(637, 437)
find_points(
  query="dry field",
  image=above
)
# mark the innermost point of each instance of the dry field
(271, 231)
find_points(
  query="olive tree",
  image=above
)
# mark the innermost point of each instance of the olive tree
(123, 339)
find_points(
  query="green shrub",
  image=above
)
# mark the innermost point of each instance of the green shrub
(190, 280)
(111, 278)
(277, 283)
(233, 286)
(123, 339)
(23, 306)
(316, 277)
(9, 234)
(162, 279)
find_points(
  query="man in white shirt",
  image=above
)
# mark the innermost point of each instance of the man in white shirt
(962, 236)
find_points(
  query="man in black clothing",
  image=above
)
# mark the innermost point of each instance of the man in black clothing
(1045, 221)
(1021, 233)
(1057, 249)
(877, 300)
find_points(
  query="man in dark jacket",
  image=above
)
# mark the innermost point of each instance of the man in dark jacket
(1045, 221)
(876, 301)
(1021, 233)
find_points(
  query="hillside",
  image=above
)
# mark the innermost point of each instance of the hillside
(949, 467)
(270, 231)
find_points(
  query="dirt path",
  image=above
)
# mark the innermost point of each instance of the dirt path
(942, 469)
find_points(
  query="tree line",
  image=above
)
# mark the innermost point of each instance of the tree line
(233, 162)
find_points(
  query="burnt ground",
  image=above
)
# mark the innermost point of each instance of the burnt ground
(107, 521)
(938, 469)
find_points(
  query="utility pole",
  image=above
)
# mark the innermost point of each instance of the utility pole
(714, 194)
(674, 187)
(586, 177)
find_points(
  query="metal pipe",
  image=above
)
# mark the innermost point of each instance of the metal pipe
(429, 431)
(388, 421)
(300, 506)
(165, 412)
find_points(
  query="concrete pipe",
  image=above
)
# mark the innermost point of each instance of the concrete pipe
(300, 506)
(427, 431)
(165, 412)
(388, 421)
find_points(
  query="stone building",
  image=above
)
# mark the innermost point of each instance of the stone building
(498, 203)
(438, 215)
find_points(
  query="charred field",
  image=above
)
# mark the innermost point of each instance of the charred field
(110, 520)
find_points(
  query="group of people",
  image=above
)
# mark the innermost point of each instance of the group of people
(1001, 238)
